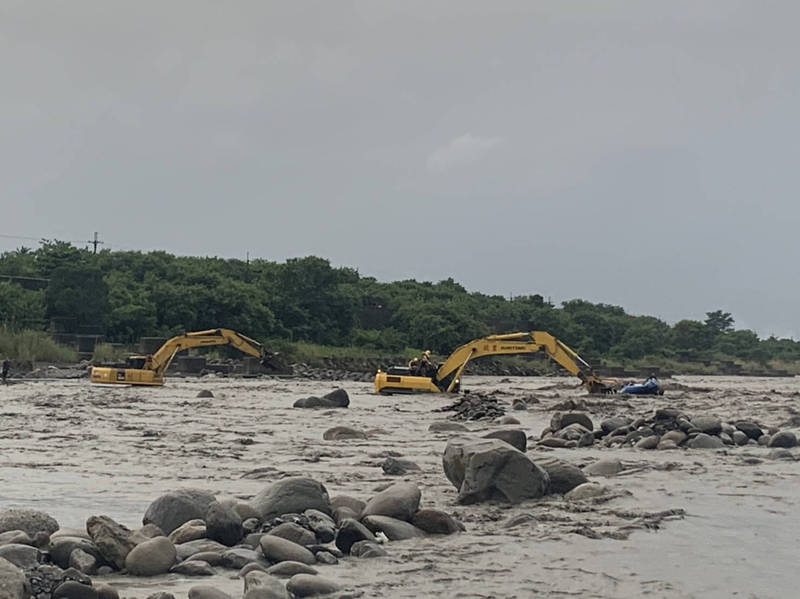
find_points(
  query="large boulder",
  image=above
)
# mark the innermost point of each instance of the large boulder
(112, 539)
(294, 533)
(322, 524)
(563, 476)
(749, 428)
(559, 420)
(237, 558)
(151, 558)
(291, 495)
(514, 437)
(22, 556)
(71, 589)
(577, 432)
(30, 521)
(711, 425)
(351, 532)
(62, 547)
(400, 500)
(277, 549)
(334, 399)
(349, 502)
(704, 441)
(615, 422)
(308, 585)
(12, 581)
(172, 509)
(483, 469)
(436, 522)
(223, 524)
(783, 439)
(394, 529)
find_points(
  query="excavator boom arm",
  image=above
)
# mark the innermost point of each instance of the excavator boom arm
(160, 360)
(511, 344)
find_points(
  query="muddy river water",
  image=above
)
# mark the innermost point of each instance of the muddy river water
(76, 450)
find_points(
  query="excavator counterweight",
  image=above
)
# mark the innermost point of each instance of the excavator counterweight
(151, 369)
(448, 376)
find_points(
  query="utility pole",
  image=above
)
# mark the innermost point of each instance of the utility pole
(95, 242)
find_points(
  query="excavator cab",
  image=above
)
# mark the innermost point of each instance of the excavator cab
(135, 361)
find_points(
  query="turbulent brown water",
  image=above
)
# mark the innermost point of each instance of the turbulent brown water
(75, 450)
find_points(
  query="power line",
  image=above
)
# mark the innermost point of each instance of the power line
(40, 239)
(95, 242)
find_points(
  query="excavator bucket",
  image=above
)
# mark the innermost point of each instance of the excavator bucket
(601, 386)
(274, 362)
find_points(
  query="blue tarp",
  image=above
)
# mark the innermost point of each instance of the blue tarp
(649, 387)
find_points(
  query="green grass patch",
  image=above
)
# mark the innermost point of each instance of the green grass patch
(109, 352)
(34, 346)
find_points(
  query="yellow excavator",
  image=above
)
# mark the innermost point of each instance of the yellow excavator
(150, 369)
(447, 377)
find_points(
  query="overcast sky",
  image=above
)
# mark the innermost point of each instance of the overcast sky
(636, 153)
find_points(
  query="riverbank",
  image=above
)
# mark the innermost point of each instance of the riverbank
(359, 368)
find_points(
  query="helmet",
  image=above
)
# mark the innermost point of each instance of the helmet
(427, 352)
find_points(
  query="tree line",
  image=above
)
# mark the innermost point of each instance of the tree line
(125, 295)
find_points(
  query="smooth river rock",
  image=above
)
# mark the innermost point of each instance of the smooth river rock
(436, 522)
(563, 476)
(308, 585)
(223, 524)
(394, 529)
(291, 495)
(172, 509)
(351, 532)
(151, 558)
(400, 500)
(277, 549)
(12, 581)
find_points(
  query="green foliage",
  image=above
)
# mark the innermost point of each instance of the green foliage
(19, 307)
(719, 322)
(34, 346)
(307, 303)
(77, 292)
(692, 335)
(645, 336)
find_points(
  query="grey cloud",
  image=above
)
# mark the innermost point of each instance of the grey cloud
(641, 154)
